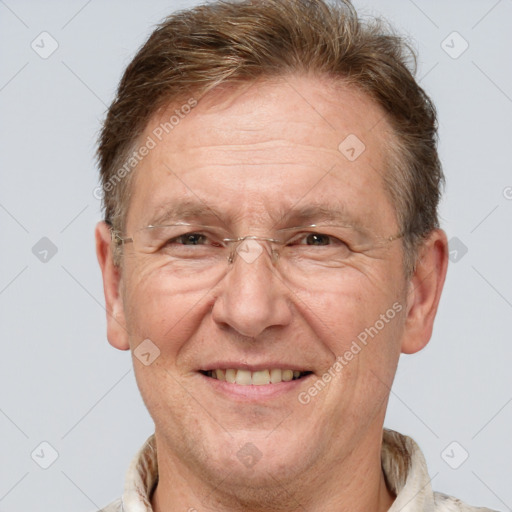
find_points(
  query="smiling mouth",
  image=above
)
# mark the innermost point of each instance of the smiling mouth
(256, 378)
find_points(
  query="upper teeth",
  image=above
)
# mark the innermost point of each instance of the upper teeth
(258, 378)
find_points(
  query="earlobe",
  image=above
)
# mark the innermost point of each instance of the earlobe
(425, 289)
(116, 325)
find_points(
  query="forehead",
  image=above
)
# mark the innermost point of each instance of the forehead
(266, 149)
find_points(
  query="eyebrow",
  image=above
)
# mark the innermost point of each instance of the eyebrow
(312, 214)
(184, 211)
(187, 211)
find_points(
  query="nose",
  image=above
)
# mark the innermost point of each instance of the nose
(252, 296)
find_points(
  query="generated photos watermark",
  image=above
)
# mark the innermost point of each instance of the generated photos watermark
(145, 148)
(341, 362)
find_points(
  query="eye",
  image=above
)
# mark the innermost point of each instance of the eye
(190, 239)
(316, 239)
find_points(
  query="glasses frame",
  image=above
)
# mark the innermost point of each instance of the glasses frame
(120, 240)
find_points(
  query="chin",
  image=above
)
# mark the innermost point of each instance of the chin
(246, 463)
(255, 483)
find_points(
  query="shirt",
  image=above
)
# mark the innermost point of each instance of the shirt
(403, 464)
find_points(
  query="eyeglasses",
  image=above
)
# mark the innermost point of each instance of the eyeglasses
(198, 254)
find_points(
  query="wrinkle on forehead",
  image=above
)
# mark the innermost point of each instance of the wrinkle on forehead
(250, 110)
(269, 146)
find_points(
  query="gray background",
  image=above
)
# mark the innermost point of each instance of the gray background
(60, 380)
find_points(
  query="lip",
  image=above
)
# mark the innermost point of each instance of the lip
(253, 393)
(238, 365)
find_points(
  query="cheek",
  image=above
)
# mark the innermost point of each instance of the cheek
(352, 300)
(362, 329)
(154, 311)
(359, 320)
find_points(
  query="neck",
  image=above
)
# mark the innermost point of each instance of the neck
(354, 484)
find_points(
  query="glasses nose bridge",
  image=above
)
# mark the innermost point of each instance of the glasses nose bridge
(249, 248)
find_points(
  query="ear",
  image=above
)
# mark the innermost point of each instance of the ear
(116, 326)
(425, 289)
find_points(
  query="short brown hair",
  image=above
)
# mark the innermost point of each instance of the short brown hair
(230, 42)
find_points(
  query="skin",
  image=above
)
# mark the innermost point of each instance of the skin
(253, 154)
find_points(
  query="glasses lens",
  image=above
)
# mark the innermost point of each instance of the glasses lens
(195, 256)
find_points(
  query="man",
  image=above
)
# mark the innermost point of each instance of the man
(270, 247)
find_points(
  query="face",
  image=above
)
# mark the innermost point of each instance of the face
(256, 161)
